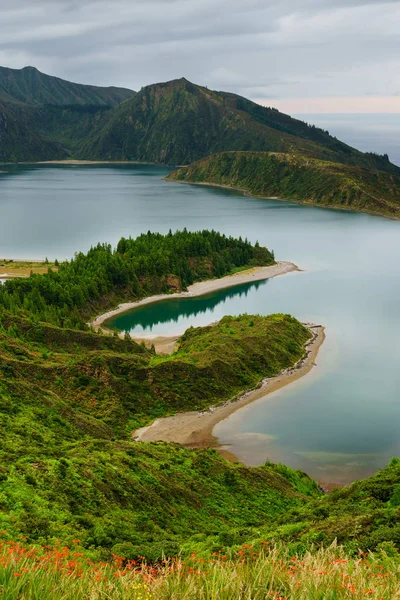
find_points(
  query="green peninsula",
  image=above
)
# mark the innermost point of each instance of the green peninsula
(299, 178)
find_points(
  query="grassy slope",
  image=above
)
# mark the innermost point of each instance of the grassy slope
(69, 469)
(363, 516)
(300, 178)
(68, 402)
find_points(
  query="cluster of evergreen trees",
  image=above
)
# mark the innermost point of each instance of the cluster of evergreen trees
(137, 267)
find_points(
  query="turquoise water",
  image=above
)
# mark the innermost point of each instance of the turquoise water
(338, 423)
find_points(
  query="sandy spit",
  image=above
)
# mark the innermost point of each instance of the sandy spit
(202, 288)
(194, 429)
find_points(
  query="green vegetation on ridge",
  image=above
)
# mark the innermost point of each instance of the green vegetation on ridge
(300, 178)
(177, 122)
(44, 117)
(30, 86)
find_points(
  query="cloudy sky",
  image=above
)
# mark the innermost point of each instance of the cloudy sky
(303, 56)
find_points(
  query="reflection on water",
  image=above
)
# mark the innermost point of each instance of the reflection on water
(174, 316)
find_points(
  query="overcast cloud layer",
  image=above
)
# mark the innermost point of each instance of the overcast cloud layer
(300, 55)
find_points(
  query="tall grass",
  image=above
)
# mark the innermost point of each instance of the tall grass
(260, 573)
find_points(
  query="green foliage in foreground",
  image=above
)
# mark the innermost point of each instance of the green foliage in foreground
(300, 178)
(150, 264)
(69, 469)
(260, 572)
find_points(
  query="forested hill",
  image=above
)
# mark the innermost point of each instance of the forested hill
(150, 264)
(45, 118)
(179, 122)
(30, 86)
(300, 178)
(19, 141)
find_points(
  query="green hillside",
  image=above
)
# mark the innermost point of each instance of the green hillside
(44, 117)
(21, 141)
(73, 480)
(178, 122)
(69, 401)
(299, 178)
(30, 86)
(69, 470)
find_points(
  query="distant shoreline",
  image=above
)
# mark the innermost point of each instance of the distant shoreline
(77, 162)
(195, 428)
(202, 288)
(280, 199)
(89, 162)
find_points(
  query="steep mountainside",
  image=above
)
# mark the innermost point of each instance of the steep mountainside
(21, 141)
(30, 86)
(44, 117)
(299, 178)
(178, 122)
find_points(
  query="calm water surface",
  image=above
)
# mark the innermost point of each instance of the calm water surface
(338, 423)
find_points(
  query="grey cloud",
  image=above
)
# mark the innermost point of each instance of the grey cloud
(261, 48)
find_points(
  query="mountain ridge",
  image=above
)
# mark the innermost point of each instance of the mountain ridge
(174, 122)
(29, 86)
(178, 122)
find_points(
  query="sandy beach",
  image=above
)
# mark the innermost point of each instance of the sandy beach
(195, 428)
(201, 288)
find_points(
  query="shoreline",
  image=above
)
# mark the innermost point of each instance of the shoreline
(195, 428)
(90, 162)
(200, 288)
(248, 194)
(82, 162)
(19, 268)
